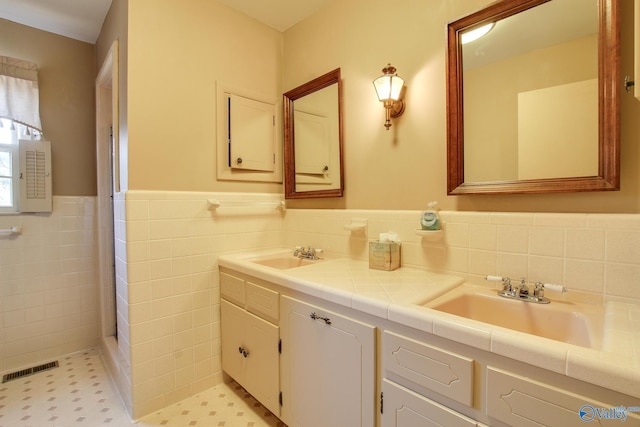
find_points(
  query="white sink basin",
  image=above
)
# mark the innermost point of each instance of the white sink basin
(284, 261)
(569, 322)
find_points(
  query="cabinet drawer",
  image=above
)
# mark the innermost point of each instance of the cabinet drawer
(405, 408)
(439, 370)
(262, 302)
(520, 401)
(232, 288)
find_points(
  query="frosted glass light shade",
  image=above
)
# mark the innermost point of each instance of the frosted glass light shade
(388, 87)
(389, 90)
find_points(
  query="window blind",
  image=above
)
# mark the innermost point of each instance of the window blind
(19, 93)
(35, 176)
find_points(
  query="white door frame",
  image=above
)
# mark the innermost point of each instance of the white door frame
(107, 179)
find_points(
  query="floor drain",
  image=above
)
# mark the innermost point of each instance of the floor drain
(29, 371)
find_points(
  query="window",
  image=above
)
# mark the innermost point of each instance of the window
(25, 160)
(8, 169)
(25, 170)
(7, 195)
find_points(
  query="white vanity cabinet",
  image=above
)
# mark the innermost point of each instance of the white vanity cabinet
(314, 363)
(437, 369)
(250, 338)
(409, 363)
(430, 381)
(405, 408)
(522, 401)
(328, 367)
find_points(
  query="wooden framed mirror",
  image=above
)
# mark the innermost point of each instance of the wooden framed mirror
(510, 128)
(313, 164)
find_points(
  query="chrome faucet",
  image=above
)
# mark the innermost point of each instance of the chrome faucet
(522, 292)
(309, 253)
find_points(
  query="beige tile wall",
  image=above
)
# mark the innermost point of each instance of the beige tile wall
(167, 245)
(169, 242)
(597, 253)
(168, 294)
(48, 290)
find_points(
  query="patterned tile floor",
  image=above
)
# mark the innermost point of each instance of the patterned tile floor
(80, 393)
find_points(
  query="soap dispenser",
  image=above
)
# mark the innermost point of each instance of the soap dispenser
(430, 219)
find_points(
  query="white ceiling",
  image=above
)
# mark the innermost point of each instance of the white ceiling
(77, 19)
(82, 19)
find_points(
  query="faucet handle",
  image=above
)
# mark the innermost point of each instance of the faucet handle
(553, 287)
(538, 291)
(523, 289)
(313, 252)
(506, 282)
(540, 287)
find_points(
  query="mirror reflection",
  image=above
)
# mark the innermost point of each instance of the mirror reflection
(531, 95)
(312, 145)
(315, 127)
(531, 108)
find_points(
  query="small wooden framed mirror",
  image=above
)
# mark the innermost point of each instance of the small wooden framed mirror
(313, 164)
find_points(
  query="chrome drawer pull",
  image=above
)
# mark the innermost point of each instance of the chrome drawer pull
(314, 316)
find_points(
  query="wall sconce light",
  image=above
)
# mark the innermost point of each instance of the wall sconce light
(389, 90)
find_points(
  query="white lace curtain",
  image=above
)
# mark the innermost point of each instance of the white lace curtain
(19, 96)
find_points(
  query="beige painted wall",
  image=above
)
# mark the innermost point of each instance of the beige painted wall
(67, 101)
(173, 119)
(405, 167)
(176, 56)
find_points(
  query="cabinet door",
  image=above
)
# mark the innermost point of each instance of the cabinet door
(252, 134)
(233, 338)
(327, 368)
(404, 408)
(263, 379)
(250, 353)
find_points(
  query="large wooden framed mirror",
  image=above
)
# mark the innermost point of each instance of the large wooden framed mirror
(533, 106)
(313, 139)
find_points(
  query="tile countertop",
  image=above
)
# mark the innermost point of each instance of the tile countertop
(395, 295)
